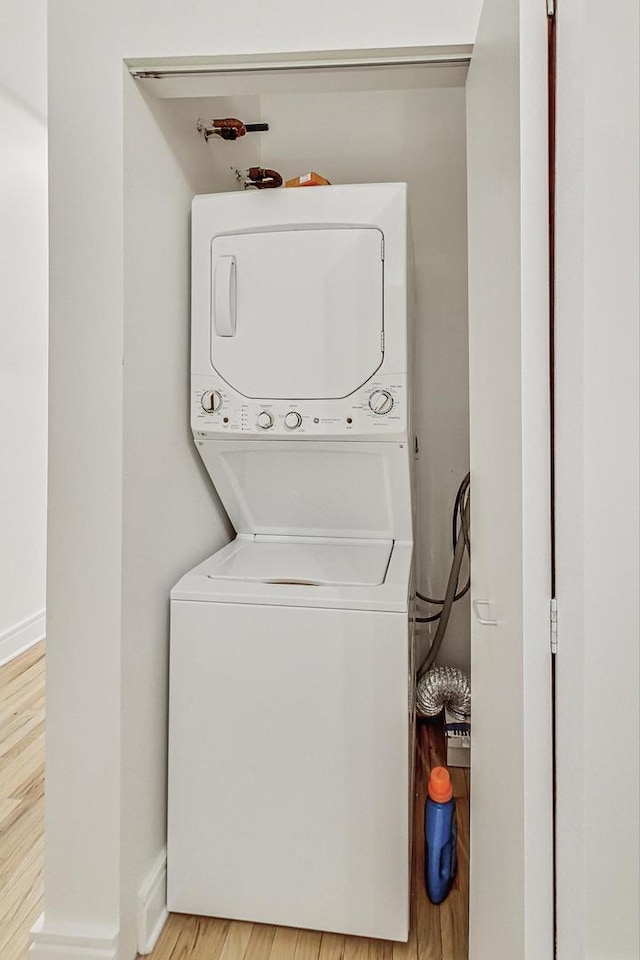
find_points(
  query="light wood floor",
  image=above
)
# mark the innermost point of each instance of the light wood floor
(21, 799)
(437, 933)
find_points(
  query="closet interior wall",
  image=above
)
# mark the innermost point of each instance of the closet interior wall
(415, 135)
(173, 518)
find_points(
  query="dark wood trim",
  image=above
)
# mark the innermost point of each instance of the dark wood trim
(552, 119)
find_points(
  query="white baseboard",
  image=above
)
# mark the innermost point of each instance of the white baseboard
(82, 945)
(152, 905)
(48, 943)
(15, 641)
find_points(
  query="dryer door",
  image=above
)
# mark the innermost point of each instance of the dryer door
(297, 313)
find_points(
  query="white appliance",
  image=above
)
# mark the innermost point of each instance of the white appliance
(291, 690)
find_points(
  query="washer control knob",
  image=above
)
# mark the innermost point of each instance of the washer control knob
(211, 401)
(292, 420)
(264, 420)
(381, 402)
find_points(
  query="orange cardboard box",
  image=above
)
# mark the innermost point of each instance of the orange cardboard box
(312, 179)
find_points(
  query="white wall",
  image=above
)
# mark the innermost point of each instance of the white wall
(417, 136)
(511, 852)
(597, 473)
(23, 324)
(171, 517)
(95, 532)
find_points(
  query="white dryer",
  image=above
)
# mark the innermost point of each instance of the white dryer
(291, 674)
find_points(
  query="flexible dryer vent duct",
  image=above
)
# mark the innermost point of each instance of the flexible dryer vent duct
(444, 687)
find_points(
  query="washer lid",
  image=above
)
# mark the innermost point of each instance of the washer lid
(297, 313)
(302, 561)
(313, 489)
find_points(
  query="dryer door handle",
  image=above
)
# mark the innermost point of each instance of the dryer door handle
(223, 297)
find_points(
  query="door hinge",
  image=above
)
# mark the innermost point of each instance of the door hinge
(551, 8)
(553, 620)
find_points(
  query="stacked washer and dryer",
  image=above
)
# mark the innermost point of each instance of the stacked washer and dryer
(291, 671)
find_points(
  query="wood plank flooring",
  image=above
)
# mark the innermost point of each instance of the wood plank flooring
(21, 799)
(437, 933)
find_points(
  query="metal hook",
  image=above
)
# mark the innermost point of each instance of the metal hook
(484, 620)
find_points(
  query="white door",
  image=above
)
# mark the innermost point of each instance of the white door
(512, 815)
(297, 313)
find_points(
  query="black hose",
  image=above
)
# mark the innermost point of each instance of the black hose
(456, 526)
(461, 544)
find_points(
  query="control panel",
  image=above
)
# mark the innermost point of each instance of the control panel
(379, 408)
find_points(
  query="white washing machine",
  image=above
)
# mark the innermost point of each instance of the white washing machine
(291, 674)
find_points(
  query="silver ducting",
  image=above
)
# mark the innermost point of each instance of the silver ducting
(444, 687)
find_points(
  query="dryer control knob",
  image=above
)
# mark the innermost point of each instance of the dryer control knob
(211, 401)
(292, 420)
(264, 420)
(381, 402)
